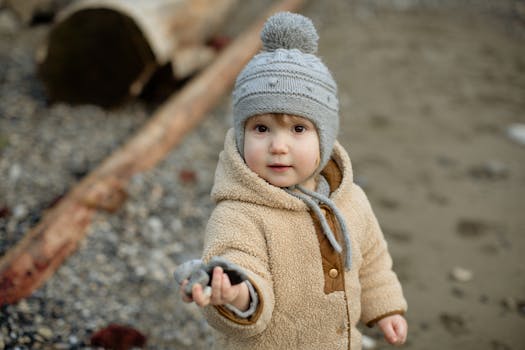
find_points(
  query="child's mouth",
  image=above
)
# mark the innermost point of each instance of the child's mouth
(279, 167)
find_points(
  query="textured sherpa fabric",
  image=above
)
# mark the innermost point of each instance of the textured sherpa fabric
(270, 234)
(287, 77)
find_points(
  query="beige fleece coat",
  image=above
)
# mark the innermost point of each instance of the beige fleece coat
(272, 235)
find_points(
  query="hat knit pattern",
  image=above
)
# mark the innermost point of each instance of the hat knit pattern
(287, 77)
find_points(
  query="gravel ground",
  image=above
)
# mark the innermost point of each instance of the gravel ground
(122, 271)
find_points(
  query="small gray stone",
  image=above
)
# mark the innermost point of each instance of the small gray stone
(45, 332)
(20, 211)
(491, 170)
(8, 22)
(23, 306)
(369, 343)
(516, 132)
(155, 225)
(15, 172)
(73, 340)
(461, 274)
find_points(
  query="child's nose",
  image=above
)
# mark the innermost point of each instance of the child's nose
(278, 145)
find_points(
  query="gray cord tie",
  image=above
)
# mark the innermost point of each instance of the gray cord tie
(307, 196)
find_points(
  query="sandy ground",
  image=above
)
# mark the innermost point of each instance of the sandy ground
(427, 97)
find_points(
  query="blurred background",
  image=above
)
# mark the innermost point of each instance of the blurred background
(432, 97)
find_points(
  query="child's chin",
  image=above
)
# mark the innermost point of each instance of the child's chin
(280, 183)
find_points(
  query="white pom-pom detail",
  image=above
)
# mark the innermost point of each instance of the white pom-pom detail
(286, 30)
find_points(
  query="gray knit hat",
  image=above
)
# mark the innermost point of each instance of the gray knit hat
(287, 77)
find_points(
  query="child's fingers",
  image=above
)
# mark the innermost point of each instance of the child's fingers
(216, 286)
(400, 328)
(199, 297)
(227, 290)
(390, 334)
(184, 296)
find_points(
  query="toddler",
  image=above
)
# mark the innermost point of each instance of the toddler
(294, 252)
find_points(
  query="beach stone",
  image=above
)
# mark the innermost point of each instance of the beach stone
(8, 22)
(514, 305)
(23, 306)
(15, 172)
(155, 224)
(461, 274)
(490, 170)
(45, 332)
(20, 211)
(368, 342)
(516, 132)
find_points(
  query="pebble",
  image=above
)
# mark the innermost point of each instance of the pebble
(20, 211)
(45, 332)
(73, 340)
(491, 170)
(368, 342)
(514, 305)
(516, 132)
(8, 22)
(23, 306)
(155, 224)
(461, 274)
(14, 173)
(176, 225)
(181, 338)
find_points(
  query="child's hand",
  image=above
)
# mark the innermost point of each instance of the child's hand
(394, 328)
(222, 292)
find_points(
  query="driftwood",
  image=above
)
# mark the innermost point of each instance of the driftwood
(30, 10)
(35, 258)
(105, 51)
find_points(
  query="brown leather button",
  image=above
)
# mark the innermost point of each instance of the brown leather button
(333, 273)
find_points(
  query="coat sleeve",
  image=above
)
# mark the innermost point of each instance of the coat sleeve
(381, 292)
(234, 235)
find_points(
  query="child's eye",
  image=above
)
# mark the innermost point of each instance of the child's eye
(261, 128)
(299, 128)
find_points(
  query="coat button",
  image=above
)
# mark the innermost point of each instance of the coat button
(333, 273)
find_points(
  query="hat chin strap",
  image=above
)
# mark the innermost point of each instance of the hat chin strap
(312, 199)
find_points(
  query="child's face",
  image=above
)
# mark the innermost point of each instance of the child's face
(282, 149)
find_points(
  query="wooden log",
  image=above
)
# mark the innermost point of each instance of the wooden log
(27, 265)
(190, 59)
(105, 51)
(30, 10)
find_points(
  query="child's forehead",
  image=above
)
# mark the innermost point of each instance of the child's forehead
(279, 117)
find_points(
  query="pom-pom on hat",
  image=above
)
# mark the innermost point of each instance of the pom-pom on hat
(287, 77)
